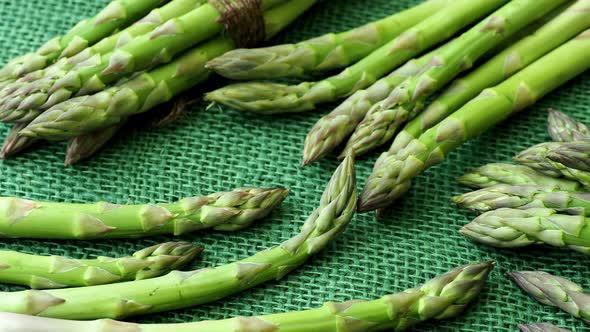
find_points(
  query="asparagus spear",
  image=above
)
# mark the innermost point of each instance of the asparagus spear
(269, 98)
(514, 228)
(554, 291)
(407, 100)
(43, 272)
(443, 297)
(145, 51)
(393, 172)
(562, 128)
(223, 211)
(331, 130)
(118, 14)
(557, 31)
(15, 143)
(541, 327)
(320, 54)
(86, 114)
(183, 289)
(536, 157)
(572, 154)
(84, 146)
(518, 175)
(522, 197)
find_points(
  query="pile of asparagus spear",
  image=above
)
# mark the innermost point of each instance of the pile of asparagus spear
(482, 60)
(131, 57)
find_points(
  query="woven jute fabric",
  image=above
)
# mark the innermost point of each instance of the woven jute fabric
(217, 149)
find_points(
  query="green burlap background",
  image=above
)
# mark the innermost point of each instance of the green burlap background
(218, 149)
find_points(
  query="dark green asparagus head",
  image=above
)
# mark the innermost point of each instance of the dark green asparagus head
(575, 155)
(233, 210)
(443, 297)
(335, 211)
(265, 98)
(562, 128)
(165, 257)
(536, 157)
(519, 175)
(511, 228)
(555, 291)
(541, 327)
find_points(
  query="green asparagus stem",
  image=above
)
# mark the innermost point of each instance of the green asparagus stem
(554, 291)
(183, 289)
(522, 197)
(223, 211)
(328, 52)
(572, 154)
(44, 272)
(86, 114)
(562, 128)
(518, 175)
(541, 327)
(536, 157)
(331, 130)
(514, 228)
(552, 34)
(408, 99)
(83, 147)
(16, 143)
(117, 15)
(270, 98)
(142, 52)
(443, 297)
(393, 172)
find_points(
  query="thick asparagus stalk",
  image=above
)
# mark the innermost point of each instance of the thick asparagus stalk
(443, 297)
(518, 175)
(522, 197)
(324, 53)
(142, 52)
(393, 172)
(118, 14)
(224, 211)
(572, 154)
(84, 146)
(557, 31)
(44, 272)
(86, 114)
(331, 130)
(554, 291)
(15, 143)
(562, 128)
(541, 327)
(183, 289)
(269, 98)
(514, 228)
(408, 99)
(536, 157)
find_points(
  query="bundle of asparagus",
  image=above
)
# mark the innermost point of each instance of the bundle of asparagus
(390, 86)
(94, 78)
(540, 203)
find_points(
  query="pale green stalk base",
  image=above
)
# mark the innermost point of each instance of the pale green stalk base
(45, 272)
(443, 297)
(184, 289)
(223, 211)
